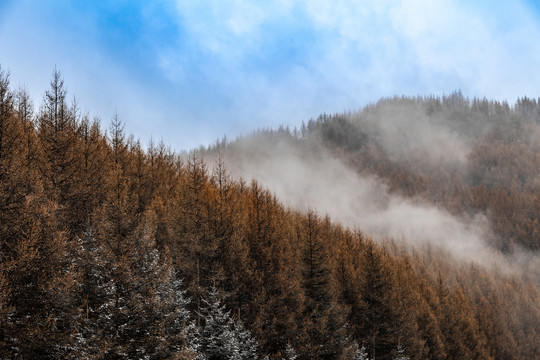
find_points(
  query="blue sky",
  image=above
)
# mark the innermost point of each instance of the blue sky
(191, 71)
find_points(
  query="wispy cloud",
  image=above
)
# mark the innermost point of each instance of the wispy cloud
(316, 179)
(355, 52)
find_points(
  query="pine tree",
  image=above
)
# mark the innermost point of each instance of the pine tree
(325, 325)
(154, 314)
(361, 354)
(400, 354)
(179, 325)
(220, 337)
(273, 282)
(290, 354)
(247, 345)
(381, 318)
(35, 254)
(96, 303)
(57, 133)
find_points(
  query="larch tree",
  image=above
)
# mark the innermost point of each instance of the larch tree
(11, 196)
(126, 270)
(463, 339)
(273, 290)
(35, 254)
(194, 248)
(24, 108)
(91, 176)
(381, 320)
(223, 215)
(57, 131)
(324, 323)
(42, 282)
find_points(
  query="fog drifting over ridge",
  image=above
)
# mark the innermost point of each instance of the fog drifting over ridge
(310, 177)
(406, 130)
(326, 184)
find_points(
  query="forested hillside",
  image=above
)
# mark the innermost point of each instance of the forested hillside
(468, 168)
(109, 250)
(466, 156)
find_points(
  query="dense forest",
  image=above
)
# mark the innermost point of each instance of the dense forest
(109, 250)
(486, 157)
(469, 158)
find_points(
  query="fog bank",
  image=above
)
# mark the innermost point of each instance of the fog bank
(305, 177)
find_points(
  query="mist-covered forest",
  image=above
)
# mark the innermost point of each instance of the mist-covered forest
(406, 230)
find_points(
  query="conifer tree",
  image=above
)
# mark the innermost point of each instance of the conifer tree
(290, 354)
(6, 121)
(381, 318)
(223, 214)
(400, 354)
(35, 254)
(194, 244)
(96, 289)
(91, 175)
(361, 354)
(57, 134)
(220, 337)
(132, 316)
(462, 337)
(248, 348)
(25, 113)
(10, 194)
(178, 323)
(325, 325)
(41, 282)
(274, 281)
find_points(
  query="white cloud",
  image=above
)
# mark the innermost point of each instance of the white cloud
(350, 53)
(267, 63)
(378, 43)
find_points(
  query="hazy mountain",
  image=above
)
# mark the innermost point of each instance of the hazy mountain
(452, 172)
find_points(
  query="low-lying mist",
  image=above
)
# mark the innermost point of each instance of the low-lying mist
(408, 130)
(309, 177)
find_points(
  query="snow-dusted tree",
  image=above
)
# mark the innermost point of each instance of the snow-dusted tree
(247, 345)
(133, 305)
(179, 325)
(110, 323)
(96, 288)
(400, 354)
(361, 354)
(290, 354)
(220, 337)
